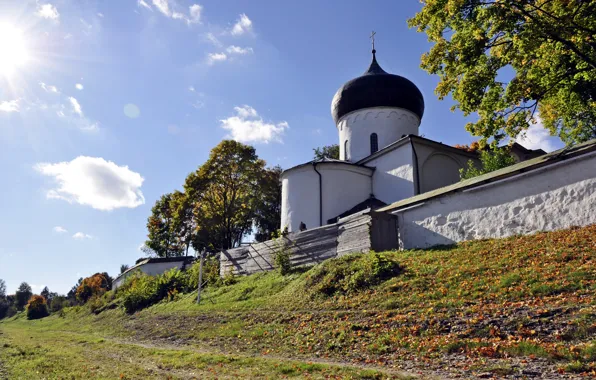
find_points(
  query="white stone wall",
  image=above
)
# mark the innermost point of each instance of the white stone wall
(390, 124)
(344, 186)
(393, 179)
(557, 197)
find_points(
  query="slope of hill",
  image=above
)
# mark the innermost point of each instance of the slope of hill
(520, 307)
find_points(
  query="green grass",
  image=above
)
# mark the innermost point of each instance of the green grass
(532, 296)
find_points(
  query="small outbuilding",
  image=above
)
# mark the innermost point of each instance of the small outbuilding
(154, 266)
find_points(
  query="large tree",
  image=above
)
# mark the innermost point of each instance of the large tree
(162, 238)
(268, 208)
(2, 288)
(327, 151)
(224, 192)
(508, 60)
(183, 223)
(22, 295)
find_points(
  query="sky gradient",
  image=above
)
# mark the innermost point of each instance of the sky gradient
(115, 102)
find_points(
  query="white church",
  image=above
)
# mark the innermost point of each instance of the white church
(383, 158)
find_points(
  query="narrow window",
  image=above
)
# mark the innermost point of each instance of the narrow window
(374, 143)
(346, 150)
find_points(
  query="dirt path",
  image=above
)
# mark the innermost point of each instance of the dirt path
(391, 372)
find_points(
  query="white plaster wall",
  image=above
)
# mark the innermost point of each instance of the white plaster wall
(555, 198)
(393, 179)
(299, 198)
(151, 269)
(344, 186)
(390, 124)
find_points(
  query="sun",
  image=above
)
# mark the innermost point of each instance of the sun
(13, 49)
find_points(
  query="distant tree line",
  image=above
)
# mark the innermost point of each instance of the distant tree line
(47, 302)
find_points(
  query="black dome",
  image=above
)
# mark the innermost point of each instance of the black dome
(377, 88)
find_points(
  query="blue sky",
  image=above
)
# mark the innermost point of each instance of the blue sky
(106, 105)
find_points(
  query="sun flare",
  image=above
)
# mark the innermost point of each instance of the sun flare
(13, 49)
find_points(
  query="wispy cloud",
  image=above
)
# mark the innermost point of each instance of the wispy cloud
(60, 230)
(95, 182)
(210, 37)
(9, 106)
(76, 106)
(248, 127)
(81, 236)
(49, 88)
(47, 11)
(166, 8)
(238, 50)
(142, 3)
(242, 26)
(79, 86)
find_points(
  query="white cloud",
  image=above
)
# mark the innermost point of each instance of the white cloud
(163, 7)
(142, 3)
(47, 11)
(243, 25)
(76, 106)
(247, 126)
(191, 88)
(95, 182)
(48, 88)
(238, 50)
(537, 137)
(79, 86)
(100, 14)
(213, 40)
(9, 106)
(216, 57)
(60, 230)
(195, 13)
(81, 236)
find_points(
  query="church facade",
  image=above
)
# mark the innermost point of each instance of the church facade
(383, 159)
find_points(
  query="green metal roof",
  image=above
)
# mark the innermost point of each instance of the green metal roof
(524, 166)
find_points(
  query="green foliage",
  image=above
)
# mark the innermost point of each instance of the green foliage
(225, 193)
(162, 238)
(505, 60)
(93, 286)
(123, 268)
(352, 273)
(491, 160)
(328, 151)
(37, 308)
(58, 303)
(210, 273)
(282, 257)
(140, 290)
(22, 295)
(2, 288)
(268, 206)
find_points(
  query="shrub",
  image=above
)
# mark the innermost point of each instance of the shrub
(352, 273)
(283, 261)
(95, 285)
(58, 303)
(140, 290)
(37, 307)
(210, 273)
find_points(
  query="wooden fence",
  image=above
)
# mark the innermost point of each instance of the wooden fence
(361, 232)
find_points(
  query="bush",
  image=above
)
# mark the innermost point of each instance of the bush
(283, 261)
(352, 273)
(95, 285)
(210, 273)
(140, 290)
(37, 307)
(58, 303)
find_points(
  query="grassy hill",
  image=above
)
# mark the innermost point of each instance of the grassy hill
(522, 306)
